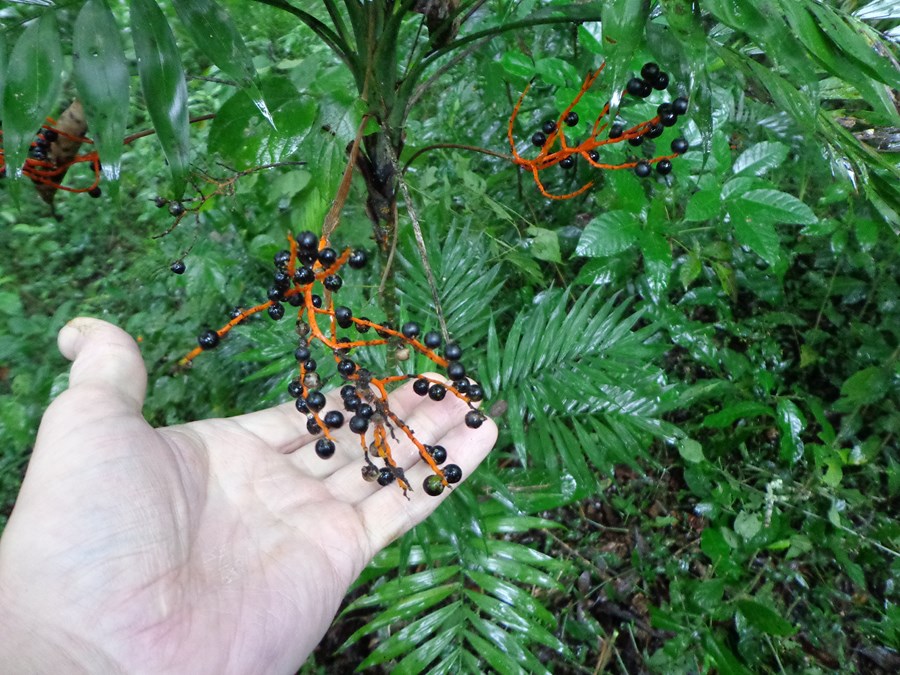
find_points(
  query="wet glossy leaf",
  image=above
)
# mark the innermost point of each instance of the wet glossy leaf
(791, 424)
(760, 158)
(163, 84)
(753, 229)
(211, 27)
(609, 233)
(101, 75)
(33, 80)
(765, 618)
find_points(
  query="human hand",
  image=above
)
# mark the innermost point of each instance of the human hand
(210, 547)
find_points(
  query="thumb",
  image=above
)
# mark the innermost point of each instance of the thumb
(105, 359)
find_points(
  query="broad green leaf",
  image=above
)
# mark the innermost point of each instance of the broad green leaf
(747, 525)
(703, 205)
(518, 65)
(690, 450)
(760, 158)
(791, 424)
(690, 269)
(101, 75)
(557, 72)
(163, 84)
(544, 244)
(32, 87)
(756, 232)
(866, 386)
(210, 26)
(775, 207)
(714, 545)
(609, 233)
(623, 24)
(657, 261)
(240, 136)
(765, 618)
(743, 410)
(727, 280)
(725, 660)
(709, 593)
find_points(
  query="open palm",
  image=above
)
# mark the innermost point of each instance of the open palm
(220, 546)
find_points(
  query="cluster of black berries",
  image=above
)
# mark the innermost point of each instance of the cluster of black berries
(310, 262)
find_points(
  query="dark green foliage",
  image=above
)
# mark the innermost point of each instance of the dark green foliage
(695, 373)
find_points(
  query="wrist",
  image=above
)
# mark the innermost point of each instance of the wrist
(30, 644)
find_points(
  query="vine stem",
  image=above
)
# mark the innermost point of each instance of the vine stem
(420, 243)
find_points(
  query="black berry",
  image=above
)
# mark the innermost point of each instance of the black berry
(333, 282)
(680, 146)
(456, 370)
(549, 127)
(178, 267)
(571, 119)
(636, 141)
(452, 473)
(348, 390)
(358, 259)
(315, 400)
(310, 365)
(433, 486)
(661, 81)
(346, 367)
(594, 155)
(276, 310)
(327, 256)
(302, 353)
(358, 425)
(476, 393)
(324, 448)
(432, 339)
(308, 241)
(638, 87)
(420, 386)
(295, 389)
(385, 476)
(642, 169)
(438, 453)
(208, 339)
(304, 275)
(650, 71)
(410, 329)
(616, 130)
(668, 119)
(664, 167)
(274, 293)
(282, 258)
(567, 162)
(655, 131)
(300, 404)
(95, 192)
(539, 139)
(437, 392)
(334, 419)
(343, 316)
(474, 419)
(680, 105)
(176, 208)
(365, 411)
(316, 300)
(452, 352)
(312, 426)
